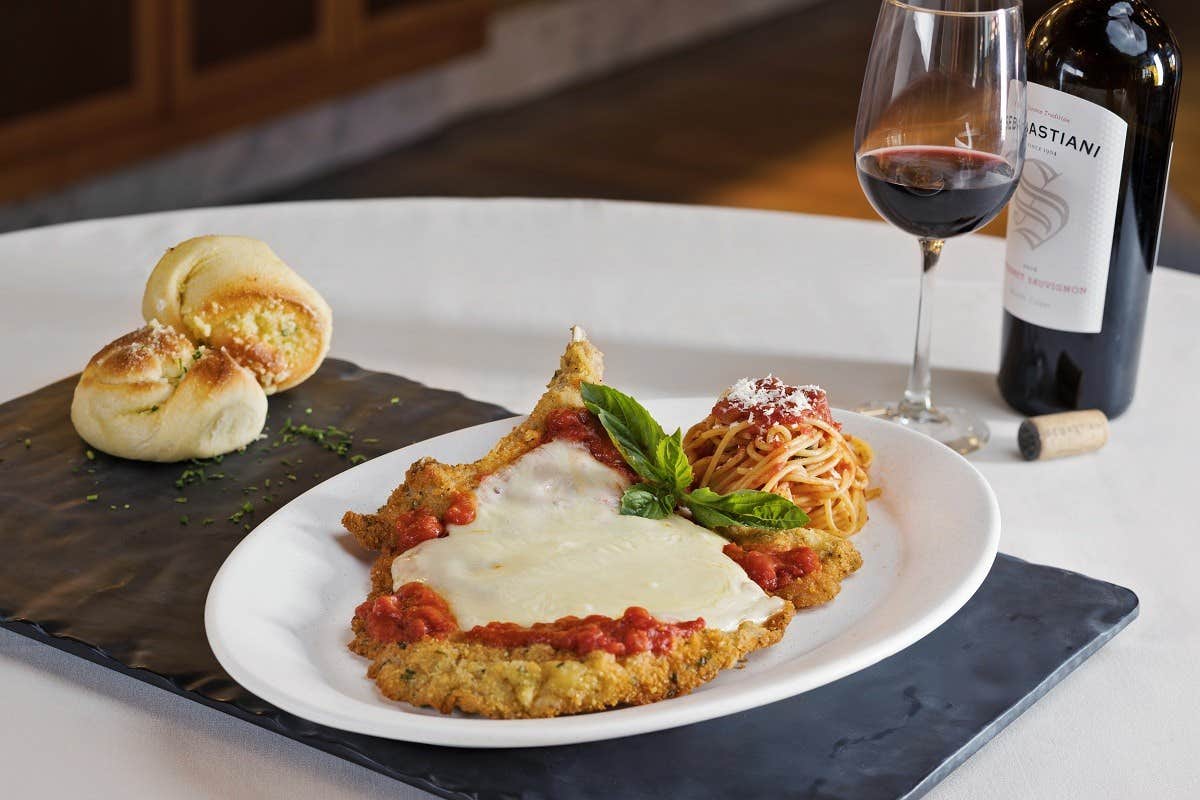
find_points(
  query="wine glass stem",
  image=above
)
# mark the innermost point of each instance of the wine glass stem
(917, 401)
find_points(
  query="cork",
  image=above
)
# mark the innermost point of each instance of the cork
(1057, 435)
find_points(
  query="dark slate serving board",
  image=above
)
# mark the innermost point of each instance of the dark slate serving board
(135, 604)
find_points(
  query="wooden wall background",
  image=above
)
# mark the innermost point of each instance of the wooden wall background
(90, 85)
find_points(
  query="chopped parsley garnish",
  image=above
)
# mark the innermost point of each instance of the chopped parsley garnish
(330, 438)
(246, 508)
(333, 439)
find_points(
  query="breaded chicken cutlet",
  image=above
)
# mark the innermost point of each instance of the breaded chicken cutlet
(436, 664)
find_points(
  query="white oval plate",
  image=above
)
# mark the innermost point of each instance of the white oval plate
(279, 609)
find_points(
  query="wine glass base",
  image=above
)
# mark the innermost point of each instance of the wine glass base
(956, 428)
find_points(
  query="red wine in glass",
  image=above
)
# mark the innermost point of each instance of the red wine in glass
(939, 145)
(933, 191)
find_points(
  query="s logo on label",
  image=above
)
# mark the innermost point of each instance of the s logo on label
(1038, 213)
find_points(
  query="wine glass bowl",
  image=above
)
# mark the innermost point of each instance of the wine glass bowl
(939, 145)
(934, 191)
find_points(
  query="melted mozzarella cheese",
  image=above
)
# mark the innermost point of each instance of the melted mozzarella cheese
(549, 541)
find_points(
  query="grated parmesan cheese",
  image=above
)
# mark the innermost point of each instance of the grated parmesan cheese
(770, 395)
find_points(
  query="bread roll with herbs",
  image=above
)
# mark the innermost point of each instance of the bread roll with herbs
(234, 292)
(153, 395)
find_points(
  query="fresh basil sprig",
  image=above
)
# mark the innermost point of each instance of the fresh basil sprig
(746, 508)
(640, 439)
(666, 473)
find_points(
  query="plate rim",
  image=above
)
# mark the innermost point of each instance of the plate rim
(481, 733)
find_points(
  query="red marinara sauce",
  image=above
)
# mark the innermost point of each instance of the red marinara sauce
(418, 525)
(413, 612)
(769, 401)
(635, 631)
(773, 570)
(461, 510)
(581, 425)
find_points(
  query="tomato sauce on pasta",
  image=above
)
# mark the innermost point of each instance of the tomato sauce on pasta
(769, 436)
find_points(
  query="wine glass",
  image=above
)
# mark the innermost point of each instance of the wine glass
(939, 146)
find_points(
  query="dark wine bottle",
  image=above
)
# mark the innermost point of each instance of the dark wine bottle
(1084, 223)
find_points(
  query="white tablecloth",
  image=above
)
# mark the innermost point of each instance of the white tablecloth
(478, 296)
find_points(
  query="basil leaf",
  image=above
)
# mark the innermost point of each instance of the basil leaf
(648, 501)
(673, 463)
(631, 428)
(744, 508)
(707, 518)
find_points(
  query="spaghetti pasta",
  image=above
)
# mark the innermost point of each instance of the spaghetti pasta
(768, 436)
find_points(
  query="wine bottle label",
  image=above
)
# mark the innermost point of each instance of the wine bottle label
(1061, 219)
